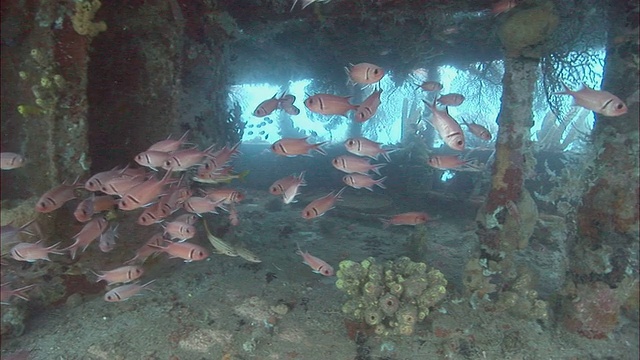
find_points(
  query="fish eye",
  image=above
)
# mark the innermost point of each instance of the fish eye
(167, 163)
(376, 71)
(109, 297)
(619, 106)
(310, 100)
(460, 142)
(43, 204)
(335, 161)
(350, 142)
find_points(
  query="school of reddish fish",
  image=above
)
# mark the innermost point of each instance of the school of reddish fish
(158, 198)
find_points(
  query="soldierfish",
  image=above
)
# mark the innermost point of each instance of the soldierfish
(151, 215)
(281, 185)
(94, 204)
(179, 230)
(502, 6)
(318, 265)
(430, 86)
(98, 181)
(364, 147)
(123, 274)
(223, 176)
(290, 109)
(288, 187)
(120, 185)
(9, 160)
(190, 219)
(30, 252)
(478, 130)
(369, 106)
(148, 249)
(219, 159)
(187, 251)
(6, 293)
(169, 145)
(327, 104)
(321, 205)
(352, 164)
(408, 218)
(451, 99)
(182, 160)
(600, 101)
(173, 200)
(267, 107)
(56, 197)
(224, 196)
(452, 162)
(91, 231)
(108, 239)
(151, 158)
(144, 193)
(296, 146)
(359, 181)
(124, 292)
(284, 102)
(200, 205)
(447, 127)
(306, 3)
(10, 235)
(364, 73)
(291, 189)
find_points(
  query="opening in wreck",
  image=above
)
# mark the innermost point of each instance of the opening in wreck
(405, 100)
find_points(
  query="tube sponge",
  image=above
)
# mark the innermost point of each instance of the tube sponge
(392, 296)
(389, 304)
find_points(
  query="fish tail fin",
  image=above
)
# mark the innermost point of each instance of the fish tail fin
(385, 152)
(380, 182)
(376, 168)
(385, 223)
(20, 292)
(306, 3)
(99, 277)
(318, 147)
(294, 5)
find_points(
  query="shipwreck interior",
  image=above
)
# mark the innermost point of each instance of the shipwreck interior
(87, 85)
